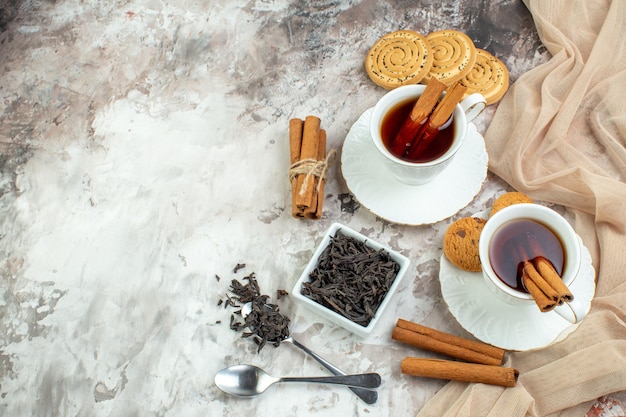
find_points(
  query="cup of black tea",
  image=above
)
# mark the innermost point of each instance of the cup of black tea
(392, 110)
(526, 232)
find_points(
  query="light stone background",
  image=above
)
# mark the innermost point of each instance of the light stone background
(143, 151)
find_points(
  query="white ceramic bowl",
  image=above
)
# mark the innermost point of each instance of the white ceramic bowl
(331, 315)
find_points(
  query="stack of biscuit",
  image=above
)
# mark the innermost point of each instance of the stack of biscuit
(406, 57)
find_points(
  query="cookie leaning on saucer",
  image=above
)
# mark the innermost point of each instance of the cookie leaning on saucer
(460, 243)
(399, 58)
(489, 77)
(508, 199)
(454, 55)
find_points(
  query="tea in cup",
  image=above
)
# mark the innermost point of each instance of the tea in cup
(387, 118)
(522, 235)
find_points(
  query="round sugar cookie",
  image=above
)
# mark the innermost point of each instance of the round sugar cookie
(489, 77)
(460, 243)
(399, 58)
(454, 55)
(508, 199)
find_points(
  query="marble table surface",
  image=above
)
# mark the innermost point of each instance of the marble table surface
(144, 154)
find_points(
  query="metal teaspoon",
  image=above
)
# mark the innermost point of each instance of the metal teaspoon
(249, 380)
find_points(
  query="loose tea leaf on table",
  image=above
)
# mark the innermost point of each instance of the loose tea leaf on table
(265, 323)
(351, 278)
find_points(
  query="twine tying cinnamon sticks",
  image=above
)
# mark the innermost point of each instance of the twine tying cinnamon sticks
(309, 165)
(483, 361)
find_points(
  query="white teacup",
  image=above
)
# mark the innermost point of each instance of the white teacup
(415, 173)
(573, 311)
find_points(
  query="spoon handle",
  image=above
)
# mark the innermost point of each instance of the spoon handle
(367, 395)
(370, 380)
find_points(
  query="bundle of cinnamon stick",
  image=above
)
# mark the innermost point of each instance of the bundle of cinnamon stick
(545, 284)
(427, 116)
(483, 361)
(307, 149)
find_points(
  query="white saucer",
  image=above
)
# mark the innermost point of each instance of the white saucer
(377, 189)
(494, 321)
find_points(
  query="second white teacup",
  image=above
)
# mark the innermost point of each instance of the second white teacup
(416, 173)
(490, 245)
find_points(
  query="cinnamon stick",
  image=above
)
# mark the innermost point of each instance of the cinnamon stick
(295, 143)
(295, 139)
(446, 106)
(310, 144)
(315, 212)
(460, 371)
(541, 299)
(538, 279)
(549, 274)
(434, 340)
(419, 113)
(440, 115)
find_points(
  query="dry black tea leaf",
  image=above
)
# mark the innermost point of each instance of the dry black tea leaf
(265, 323)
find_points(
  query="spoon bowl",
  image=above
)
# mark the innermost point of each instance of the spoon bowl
(250, 380)
(243, 380)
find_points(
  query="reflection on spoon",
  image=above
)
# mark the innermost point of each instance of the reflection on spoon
(249, 380)
(367, 395)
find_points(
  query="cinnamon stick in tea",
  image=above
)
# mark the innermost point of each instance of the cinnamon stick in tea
(549, 274)
(531, 273)
(436, 341)
(295, 143)
(460, 371)
(315, 212)
(544, 302)
(544, 284)
(310, 144)
(440, 115)
(411, 127)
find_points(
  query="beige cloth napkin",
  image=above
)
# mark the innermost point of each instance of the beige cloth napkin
(560, 136)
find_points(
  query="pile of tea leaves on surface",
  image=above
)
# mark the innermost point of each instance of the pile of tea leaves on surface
(265, 323)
